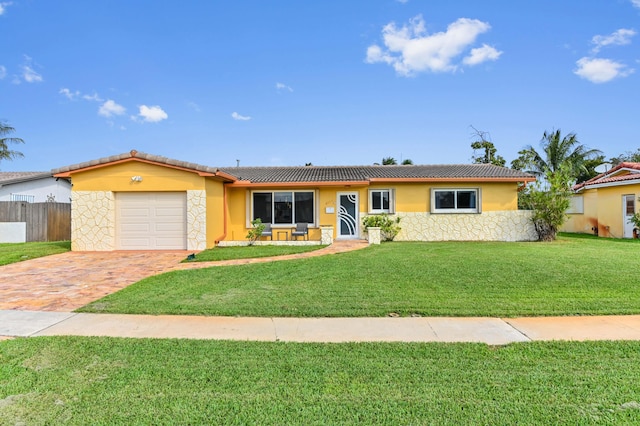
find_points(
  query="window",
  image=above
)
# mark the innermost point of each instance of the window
(284, 207)
(381, 201)
(455, 201)
(576, 206)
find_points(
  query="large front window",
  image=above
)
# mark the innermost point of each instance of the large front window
(284, 207)
(454, 201)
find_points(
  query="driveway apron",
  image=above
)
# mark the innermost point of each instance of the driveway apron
(68, 281)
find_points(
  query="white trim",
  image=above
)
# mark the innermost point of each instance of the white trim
(392, 200)
(315, 208)
(608, 184)
(477, 209)
(356, 225)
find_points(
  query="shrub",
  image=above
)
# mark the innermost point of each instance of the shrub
(256, 231)
(388, 226)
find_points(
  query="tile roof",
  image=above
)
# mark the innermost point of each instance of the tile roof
(15, 177)
(325, 173)
(136, 154)
(631, 173)
(367, 173)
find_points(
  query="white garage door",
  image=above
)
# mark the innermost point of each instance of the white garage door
(151, 220)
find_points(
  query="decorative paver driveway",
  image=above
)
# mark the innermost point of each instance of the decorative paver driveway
(68, 281)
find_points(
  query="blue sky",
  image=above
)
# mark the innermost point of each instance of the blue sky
(330, 82)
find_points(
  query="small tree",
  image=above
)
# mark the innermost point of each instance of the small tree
(389, 161)
(256, 231)
(549, 201)
(407, 162)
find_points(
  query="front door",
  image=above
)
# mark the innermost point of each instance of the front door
(348, 216)
(628, 210)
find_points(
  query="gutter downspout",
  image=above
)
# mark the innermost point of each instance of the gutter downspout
(224, 214)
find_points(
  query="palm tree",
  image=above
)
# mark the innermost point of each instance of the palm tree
(389, 161)
(5, 140)
(558, 152)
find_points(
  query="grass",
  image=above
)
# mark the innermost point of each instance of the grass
(17, 252)
(229, 253)
(572, 276)
(99, 381)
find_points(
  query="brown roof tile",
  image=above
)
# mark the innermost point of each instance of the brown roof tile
(325, 173)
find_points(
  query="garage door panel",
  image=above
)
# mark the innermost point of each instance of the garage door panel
(151, 221)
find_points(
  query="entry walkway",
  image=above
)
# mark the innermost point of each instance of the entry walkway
(492, 331)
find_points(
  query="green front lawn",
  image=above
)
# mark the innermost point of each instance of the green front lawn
(79, 381)
(246, 252)
(17, 252)
(572, 276)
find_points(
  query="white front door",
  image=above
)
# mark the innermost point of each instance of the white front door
(628, 210)
(348, 216)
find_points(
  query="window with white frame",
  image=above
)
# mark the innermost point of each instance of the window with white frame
(381, 201)
(455, 200)
(576, 206)
(284, 207)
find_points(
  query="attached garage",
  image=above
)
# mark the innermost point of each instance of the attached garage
(151, 220)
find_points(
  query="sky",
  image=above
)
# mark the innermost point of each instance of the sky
(332, 82)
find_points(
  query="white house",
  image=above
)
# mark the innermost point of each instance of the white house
(34, 187)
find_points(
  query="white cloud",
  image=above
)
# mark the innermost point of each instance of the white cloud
(28, 73)
(194, 106)
(282, 86)
(69, 94)
(598, 70)
(93, 97)
(152, 114)
(3, 6)
(410, 49)
(636, 3)
(239, 117)
(3, 72)
(617, 38)
(482, 54)
(109, 108)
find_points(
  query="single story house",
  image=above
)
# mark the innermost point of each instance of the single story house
(138, 201)
(34, 187)
(603, 204)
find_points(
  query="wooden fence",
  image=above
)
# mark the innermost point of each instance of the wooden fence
(45, 221)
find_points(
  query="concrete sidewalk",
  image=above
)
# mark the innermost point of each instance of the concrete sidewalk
(492, 331)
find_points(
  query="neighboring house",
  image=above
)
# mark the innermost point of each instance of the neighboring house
(141, 201)
(603, 204)
(34, 187)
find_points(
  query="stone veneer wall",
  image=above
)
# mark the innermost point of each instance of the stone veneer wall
(511, 225)
(93, 221)
(196, 220)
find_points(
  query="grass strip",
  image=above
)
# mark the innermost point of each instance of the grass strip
(17, 252)
(248, 252)
(99, 381)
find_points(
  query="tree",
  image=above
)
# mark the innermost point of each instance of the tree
(389, 161)
(557, 152)
(632, 157)
(407, 162)
(484, 144)
(549, 202)
(5, 140)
